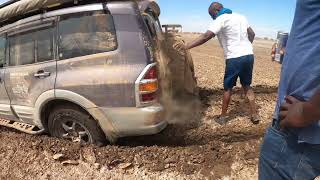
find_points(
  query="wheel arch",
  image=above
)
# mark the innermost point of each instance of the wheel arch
(49, 99)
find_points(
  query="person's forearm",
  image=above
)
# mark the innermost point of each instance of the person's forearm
(201, 40)
(311, 109)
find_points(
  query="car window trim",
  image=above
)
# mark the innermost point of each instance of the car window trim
(32, 64)
(15, 32)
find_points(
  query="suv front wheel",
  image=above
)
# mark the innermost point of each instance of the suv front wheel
(73, 123)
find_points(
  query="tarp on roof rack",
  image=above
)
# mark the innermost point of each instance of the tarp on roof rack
(15, 8)
(26, 6)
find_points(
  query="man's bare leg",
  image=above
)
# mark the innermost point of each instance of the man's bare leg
(226, 101)
(253, 109)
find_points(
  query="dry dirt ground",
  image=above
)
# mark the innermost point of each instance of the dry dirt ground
(202, 150)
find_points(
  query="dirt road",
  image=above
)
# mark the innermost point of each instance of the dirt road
(202, 149)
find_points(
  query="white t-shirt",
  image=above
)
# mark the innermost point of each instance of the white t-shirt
(231, 30)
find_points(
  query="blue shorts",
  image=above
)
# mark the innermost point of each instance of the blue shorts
(238, 67)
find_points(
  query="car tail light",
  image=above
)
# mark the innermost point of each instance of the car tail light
(148, 97)
(147, 85)
(151, 73)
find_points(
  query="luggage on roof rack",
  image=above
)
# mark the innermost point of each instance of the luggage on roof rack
(13, 9)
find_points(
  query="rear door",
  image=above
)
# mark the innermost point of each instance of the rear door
(5, 110)
(32, 67)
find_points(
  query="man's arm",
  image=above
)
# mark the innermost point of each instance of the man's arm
(297, 114)
(201, 40)
(251, 34)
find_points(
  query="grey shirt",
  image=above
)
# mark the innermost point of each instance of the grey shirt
(300, 76)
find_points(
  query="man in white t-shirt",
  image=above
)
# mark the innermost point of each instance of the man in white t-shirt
(236, 37)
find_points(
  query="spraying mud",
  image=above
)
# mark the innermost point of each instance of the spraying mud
(179, 92)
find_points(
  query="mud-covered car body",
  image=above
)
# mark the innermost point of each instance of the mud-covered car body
(96, 58)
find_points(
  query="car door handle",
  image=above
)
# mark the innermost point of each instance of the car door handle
(42, 74)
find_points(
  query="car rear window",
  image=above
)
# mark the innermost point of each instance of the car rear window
(85, 34)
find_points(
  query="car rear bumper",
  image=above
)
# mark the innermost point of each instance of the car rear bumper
(136, 121)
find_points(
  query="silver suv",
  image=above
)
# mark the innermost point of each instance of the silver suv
(85, 72)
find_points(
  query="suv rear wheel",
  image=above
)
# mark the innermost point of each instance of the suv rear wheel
(73, 123)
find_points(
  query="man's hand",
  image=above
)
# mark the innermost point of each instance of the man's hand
(291, 113)
(297, 114)
(251, 34)
(180, 46)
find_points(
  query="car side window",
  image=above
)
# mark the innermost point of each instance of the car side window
(21, 49)
(2, 51)
(44, 45)
(86, 33)
(31, 47)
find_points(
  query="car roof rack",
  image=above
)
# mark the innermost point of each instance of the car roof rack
(7, 18)
(65, 4)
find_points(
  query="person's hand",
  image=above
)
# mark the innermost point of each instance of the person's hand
(273, 51)
(292, 114)
(282, 51)
(180, 46)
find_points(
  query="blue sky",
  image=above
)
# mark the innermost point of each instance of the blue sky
(265, 16)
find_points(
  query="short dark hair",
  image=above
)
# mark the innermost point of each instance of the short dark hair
(215, 6)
